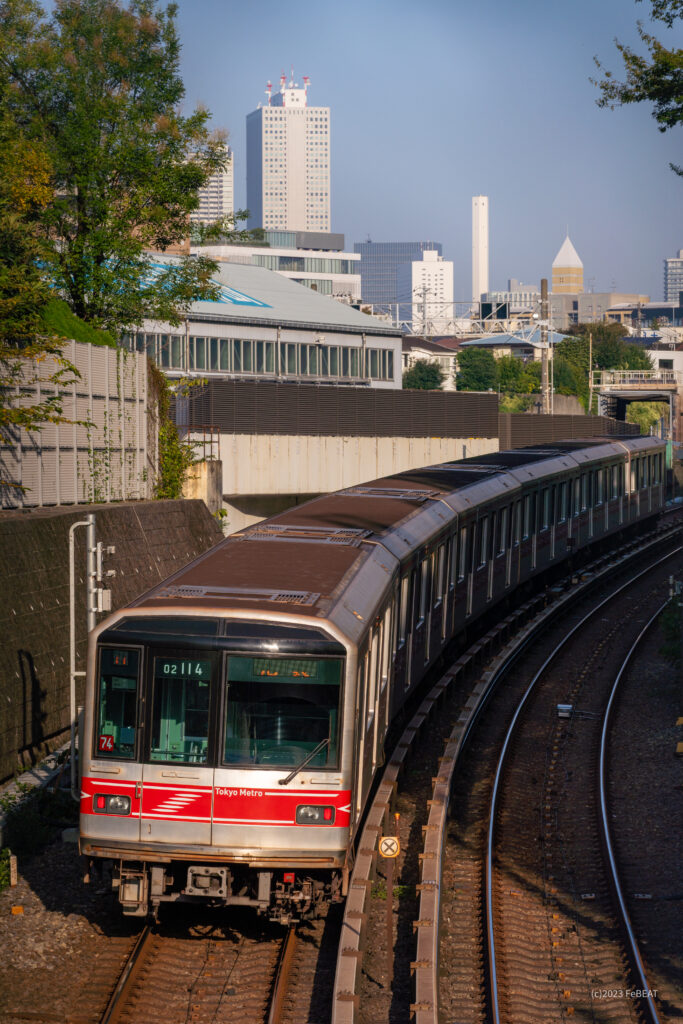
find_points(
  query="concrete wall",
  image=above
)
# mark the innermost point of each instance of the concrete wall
(152, 540)
(264, 474)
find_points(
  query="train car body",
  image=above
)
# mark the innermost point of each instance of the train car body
(236, 713)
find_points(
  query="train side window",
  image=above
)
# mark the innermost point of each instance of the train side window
(526, 530)
(440, 575)
(584, 491)
(576, 485)
(369, 691)
(453, 562)
(483, 540)
(517, 524)
(117, 703)
(562, 503)
(545, 508)
(503, 519)
(615, 482)
(620, 483)
(424, 579)
(493, 534)
(462, 560)
(599, 487)
(403, 609)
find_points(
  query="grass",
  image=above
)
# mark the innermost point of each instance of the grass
(60, 320)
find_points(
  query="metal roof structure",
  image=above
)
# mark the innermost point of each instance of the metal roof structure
(532, 339)
(259, 296)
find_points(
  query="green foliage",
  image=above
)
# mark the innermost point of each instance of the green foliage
(95, 88)
(5, 854)
(225, 231)
(477, 370)
(423, 375)
(646, 414)
(175, 456)
(59, 319)
(656, 78)
(515, 403)
(601, 330)
(35, 818)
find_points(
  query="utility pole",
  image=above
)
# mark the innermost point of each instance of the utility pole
(590, 373)
(545, 353)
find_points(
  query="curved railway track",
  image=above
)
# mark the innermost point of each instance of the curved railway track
(555, 938)
(354, 1000)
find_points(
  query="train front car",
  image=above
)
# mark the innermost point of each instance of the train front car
(212, 756)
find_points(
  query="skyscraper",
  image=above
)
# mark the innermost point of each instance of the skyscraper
(673, 277)
(288, 162)
(480, 246)
(216, 199)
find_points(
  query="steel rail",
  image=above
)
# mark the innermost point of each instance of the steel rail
(128, 975)
(490, 930)
(634, 949)
(281, 983)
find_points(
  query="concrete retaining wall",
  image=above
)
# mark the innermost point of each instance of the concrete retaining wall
(152, 540)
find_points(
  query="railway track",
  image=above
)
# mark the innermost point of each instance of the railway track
(203, 974)
(460, 916)
(555, 937)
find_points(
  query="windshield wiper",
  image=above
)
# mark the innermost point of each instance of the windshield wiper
(309, 757)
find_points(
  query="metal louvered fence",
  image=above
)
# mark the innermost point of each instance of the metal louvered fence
(106, 451)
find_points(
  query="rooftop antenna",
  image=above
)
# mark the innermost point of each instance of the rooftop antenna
(269, 89)
(307, 82)
(283, 81)
(291, 77)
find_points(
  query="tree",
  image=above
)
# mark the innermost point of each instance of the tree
(95, 87)
(647, 414)
(657, 79)
(423, 375)
(477, 370)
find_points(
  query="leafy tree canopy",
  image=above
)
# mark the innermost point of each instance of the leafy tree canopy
(423, 375)
(647, 414)
(477, 370)
(93, 95)
(656, 78)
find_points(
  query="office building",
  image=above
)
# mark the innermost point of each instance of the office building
(673, 277)
(288, 162)
(425, 294)
(480, 246)
(310, 258)
(379, 262)
(567, 270)
(217, 198)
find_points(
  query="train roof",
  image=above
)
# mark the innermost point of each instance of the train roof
(300, 561)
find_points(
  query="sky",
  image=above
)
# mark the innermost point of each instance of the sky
(436, 102)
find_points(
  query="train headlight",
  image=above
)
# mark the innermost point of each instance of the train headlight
(314, 814)
(111, 803)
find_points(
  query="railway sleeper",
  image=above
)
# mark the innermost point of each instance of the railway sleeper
(283, 896)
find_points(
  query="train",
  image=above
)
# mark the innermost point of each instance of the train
(236, 714)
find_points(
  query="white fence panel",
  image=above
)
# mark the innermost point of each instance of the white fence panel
(105, 453)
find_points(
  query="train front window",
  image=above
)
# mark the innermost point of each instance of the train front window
(118, 700)
(180, 708)
(279, 709)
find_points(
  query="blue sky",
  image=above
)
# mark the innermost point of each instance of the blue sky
(435, 102)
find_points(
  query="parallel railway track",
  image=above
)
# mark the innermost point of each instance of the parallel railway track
(350, 1002)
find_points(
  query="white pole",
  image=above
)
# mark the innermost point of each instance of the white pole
(90, 523)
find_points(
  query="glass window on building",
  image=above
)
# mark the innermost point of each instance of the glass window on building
(291, 362)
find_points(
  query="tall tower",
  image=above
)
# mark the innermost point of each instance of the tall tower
(567, 270)
(480, 246)
(216, 199)
(288, 161)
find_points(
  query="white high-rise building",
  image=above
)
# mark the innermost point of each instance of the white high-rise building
(217, 198)
(425, 293)
(288, 162)
(480, 246)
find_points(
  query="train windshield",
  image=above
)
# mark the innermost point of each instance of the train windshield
(180, 708)
(279, 709)
(118, 701)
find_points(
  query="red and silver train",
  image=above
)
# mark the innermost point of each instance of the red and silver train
(236, 713)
